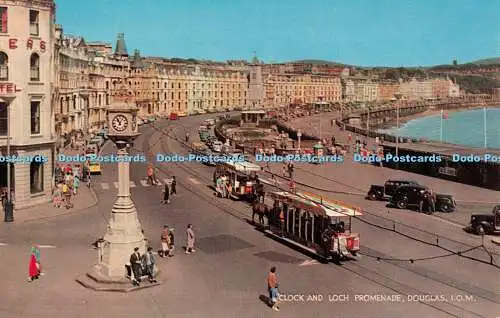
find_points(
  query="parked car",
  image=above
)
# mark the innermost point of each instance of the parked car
(382, 192)
(410, 195)
(489, 224)
(209, 122)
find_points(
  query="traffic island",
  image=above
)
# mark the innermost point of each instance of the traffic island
(95, 280)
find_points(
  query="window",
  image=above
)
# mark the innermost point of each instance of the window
(35, 67)
(36, 177)
(4, 67)
(34, 22)
(3, 20)
(35, 117)
(4, 119)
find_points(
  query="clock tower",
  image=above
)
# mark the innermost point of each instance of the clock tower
(124, 232)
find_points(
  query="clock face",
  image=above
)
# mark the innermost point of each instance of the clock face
(119, 123)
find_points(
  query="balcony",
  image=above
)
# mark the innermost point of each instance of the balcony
(33, 28)
(34, 74)
(4, 73)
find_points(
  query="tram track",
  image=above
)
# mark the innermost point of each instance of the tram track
(173, 136)
(356, 268)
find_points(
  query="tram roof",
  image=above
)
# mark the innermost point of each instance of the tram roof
(307, 201)
(243, 166)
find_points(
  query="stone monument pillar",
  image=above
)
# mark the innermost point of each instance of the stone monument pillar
(124, 231)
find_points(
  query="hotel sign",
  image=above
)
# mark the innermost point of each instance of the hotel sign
(13, 44)
(8, 89)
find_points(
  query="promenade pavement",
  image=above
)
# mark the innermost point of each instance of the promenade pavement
(84, 199)
(350, 174)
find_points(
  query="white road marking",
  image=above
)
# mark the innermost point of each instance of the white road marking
(115, 184)
(308, 262)
(132, 184)
(145, 183)
(46, 246)
(194, 180)
(104, 186)
(3, 244)
(169, 181)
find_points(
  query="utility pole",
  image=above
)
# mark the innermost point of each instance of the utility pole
(398, 99)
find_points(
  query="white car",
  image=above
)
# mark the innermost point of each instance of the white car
(217, 146)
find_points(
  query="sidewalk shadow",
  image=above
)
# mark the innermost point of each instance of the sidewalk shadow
(265, 299)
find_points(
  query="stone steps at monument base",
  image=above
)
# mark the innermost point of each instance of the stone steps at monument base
(95, 280)
(88, 282)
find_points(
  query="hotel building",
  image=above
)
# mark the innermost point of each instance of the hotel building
(26, 85)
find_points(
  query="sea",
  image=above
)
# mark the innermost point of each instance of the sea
(465, 128)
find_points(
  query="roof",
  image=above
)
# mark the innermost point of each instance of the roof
(403, 181)
(243, 166)
(309, 203)
(413, 185)
(343, 208)
(121, 48)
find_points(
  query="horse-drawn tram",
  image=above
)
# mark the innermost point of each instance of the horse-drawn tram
(314, 224)
(237, 178)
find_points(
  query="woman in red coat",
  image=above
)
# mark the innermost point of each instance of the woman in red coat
(33, 270)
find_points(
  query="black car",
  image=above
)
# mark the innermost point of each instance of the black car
(410, 196)
(381, 192)
(486, 223)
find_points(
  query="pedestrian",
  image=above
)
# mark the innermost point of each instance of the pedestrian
(148, 261)
(292, 186)
(166, 194)
(89, 184)
(150, 174)
(164, 241)
(135, 263)
(67, 195)
(190, 239)
(34, 264)
(272, 287)
(431, 202)
(56, 196)
(171, 242)
(173, 186)
(422, 200)
(76, 184)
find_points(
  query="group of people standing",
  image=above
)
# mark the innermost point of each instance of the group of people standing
(223, 186)
(144, 265)
(68, 179)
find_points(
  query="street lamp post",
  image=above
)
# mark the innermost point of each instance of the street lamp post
(8, 208)
(398, 98)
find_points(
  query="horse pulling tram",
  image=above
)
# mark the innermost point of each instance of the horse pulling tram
(315, 224)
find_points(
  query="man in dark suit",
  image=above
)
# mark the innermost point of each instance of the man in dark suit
(135, 262)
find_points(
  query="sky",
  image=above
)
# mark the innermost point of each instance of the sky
(356, 32)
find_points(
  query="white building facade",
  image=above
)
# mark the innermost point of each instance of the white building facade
(26, 84)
